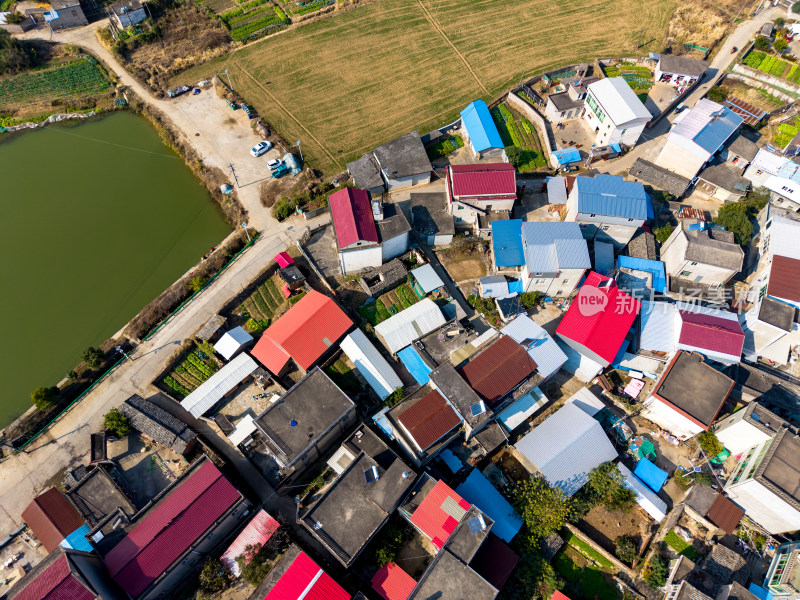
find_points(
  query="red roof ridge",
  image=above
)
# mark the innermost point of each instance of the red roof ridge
(352, 217)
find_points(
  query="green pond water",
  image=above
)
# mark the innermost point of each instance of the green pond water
(97, 220)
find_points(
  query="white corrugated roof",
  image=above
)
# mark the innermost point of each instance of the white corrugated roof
(409, 324)
(784, 238)
(767, 161)
(634, 362)
(231, 341)
(586, 401)
(618, 100)
(659, 327)
(243, 430)
(369, 362)
(540, 346)
(220, 383)
(646, 498)
(427, 278)
(566, 447)
(556, 190)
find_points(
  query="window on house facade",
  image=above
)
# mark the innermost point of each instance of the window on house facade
(604, 228)
(629, 220)
(562, 113)
(686, 273)
(694, 264)
(592, 216)
(565, 281)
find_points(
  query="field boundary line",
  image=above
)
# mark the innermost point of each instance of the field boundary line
(288, 112)
(441, 32)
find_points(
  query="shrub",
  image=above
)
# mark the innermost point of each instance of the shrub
(655, 573)
(514, 155)
(796, 7)
(625, 549)
(215, 576)
(718, 93)
(389, 544)
(780, 45)
(196, 283)
(396, 397)
(607, 484)
(117, 423)
(44, 397)
(284, 208)
(709, 443)
(530, 299)
(662, 233)
(761, 43)
(93, 357)
(780, 22)
(735, 218)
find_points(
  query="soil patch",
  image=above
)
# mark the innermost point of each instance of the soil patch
(604, 526)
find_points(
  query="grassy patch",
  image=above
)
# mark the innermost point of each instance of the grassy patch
(681, 546)
(390, 303)
(392, 69)
(445, 147)
(583, 583)
(587, 551)
(786, 132)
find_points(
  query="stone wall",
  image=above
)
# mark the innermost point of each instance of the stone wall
(774, 82)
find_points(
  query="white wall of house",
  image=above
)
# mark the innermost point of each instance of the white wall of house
(557, 116)
(765, 508)
(558, 284)
(670, 419)
(395, 246)
(583, 350)
(440, 240)
(609, 132)
(352, 261)
(740, 436)
(678, 159)
(404, 182)
(618, 235)
(673, 254)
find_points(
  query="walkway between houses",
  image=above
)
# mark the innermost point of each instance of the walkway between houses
(452, 288)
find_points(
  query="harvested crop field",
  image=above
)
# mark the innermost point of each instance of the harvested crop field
(345, 84)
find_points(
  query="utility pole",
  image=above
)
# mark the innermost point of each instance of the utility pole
(125, 354)
(300, 151)
(233, 172)
(230, 85)
(246, 232)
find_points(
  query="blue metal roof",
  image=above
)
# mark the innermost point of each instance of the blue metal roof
(615, 147)
(415, 365)
(708, 125)
(479, 491)
(451, 460)
(650, 474)
(656, 267)
(480, 127)
(507, 243)
(567, 156)
(77, 540)
(551, 246)
(760, 592)
(611, 196)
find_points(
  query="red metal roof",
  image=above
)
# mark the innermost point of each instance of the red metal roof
(492, 179)
(783, 280)
(304, 333)
(725, 514)
(429, 419)
(498, 369)
(56, 582)
(352, 217)
(559, 596)
(283, 259)
(600, 332)
(170, 528)
(51, 518)
(432, 516)
(392, 583)
(258, 531)
(304, 579)
(707, 332)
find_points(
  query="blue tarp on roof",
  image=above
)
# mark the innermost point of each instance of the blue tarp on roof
(650, 474)
(451, 460)
(480, 127)
(478, 491)
(515, 286)
(759, 592)
(567, 156)
(655, 267)
(507, 243)
(77, 540)
(615, 147)
(415, 365)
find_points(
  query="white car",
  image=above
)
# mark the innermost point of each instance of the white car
(261, 148)
(274, 163)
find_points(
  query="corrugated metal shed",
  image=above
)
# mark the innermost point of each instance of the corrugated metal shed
(211, 391)
(56, 582)
(611, 196)
(258, 531)
(484, 179)
(352, 218)
(304, 579)
(244, 429)
(586, 401)
(618, 100)
(716, 334)
(416, 366)
(604, 258)
(498, 369)
(725, 514)
(566, 447)
(232, 341)
(516, 414)
(708, 125)
(51, 518)
(373, 367)
(556, 190)
(482, 132)
(403, 328)
(427, 278)
(507, 243)
(429, 420)
(77, 540)
(540, 346)
(645, 497)
(439, 513)
(477, 490)
(659, 327)
(655, 267)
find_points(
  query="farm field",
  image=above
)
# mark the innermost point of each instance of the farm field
(772, 65)
(345, 84)
(198, 365)
(265, 305)
(62, 84)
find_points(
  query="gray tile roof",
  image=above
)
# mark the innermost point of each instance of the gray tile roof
(725, 176)
(704, 248)
(726, 566)
(403, 157)
(659, 177)
(394, 223)
(743, 147)
(563, 102)
(643, 245)
(157, 424)
(366, 172)
(682, 65)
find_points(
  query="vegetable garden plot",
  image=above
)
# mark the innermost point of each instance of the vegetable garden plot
(77, 78)
(518, 131)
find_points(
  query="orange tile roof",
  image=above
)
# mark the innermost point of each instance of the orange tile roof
(303, 334)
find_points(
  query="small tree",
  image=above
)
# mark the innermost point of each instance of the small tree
(735, 218)
(117, 423)
(15, 18)
(196, 283)
(780, 45)
(44, 397)
(396, 397)
(93, 357)
(514, 155)
(718, 93)
(72, 375)
(761, 43)
(709, 443)
(796, 7)
(533, 577)
(530, 299)
(215, 576)
(544, 509)
(625, 549)
(757, 198)
(606, 482)
(780, 22)
(655, 573)
(662, 233)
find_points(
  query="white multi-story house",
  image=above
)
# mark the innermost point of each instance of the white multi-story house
(608, 208)
(614, 112)
(556, 257)
(709, 257)
(765, 480)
